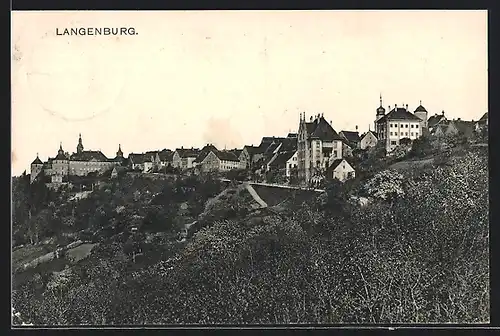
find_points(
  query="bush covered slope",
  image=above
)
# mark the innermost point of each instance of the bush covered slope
(416, 252)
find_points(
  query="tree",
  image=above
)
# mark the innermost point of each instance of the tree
(421, 147)
(294, 176)
(405, 142)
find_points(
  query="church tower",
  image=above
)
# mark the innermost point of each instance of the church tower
(380, 114)
(79, 148)
(60, 151)
(119, 154)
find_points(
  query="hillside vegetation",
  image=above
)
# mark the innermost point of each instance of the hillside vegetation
(416, 252)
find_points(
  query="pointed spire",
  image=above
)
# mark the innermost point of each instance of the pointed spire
(420, 102)
(381, 99)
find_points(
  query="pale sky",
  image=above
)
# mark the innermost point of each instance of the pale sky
(231, 77)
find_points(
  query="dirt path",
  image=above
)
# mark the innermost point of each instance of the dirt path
(255, 196)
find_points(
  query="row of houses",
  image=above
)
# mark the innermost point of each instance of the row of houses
(316, 151)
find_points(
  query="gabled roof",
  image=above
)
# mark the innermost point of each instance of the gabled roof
(269, 140)
(369, 132)
(37, 161)
(288, 144)
(252, 149)
(136, 158)
(484, 117)
(321, 129)
(205, 151)
(89, 156)
(464, 127)
(351, 136)
(442, 126)
(282, 158)
(61, 156)
(166, 155)
(149, 158)
(398, 113)
(117, 159)
(188, 152)
(435, 119)
(337, 162)
(236, 152)
(226, 156)
(272, 147)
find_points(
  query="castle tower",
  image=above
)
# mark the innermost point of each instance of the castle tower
(79, 148)
(36, 168)
(421, 112)
(380, 114)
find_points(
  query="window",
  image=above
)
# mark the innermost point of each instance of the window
(401, 133)
(335, 153)
(411, 133)
(391, 133)
(390, 125)
(416, 126)
(393, 143)
(406, 133)
(406, 126)
(411, 126)
(401, 125)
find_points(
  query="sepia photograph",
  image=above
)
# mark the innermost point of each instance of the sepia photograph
(249, 168)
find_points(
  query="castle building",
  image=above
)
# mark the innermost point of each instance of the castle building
(318, 146)
(80, 163)
(398, 124)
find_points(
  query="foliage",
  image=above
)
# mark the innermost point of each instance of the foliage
(237, 174)
(386, 185)
(418, 253)
(422, 147)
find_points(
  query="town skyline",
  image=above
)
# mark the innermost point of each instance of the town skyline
(250, 81)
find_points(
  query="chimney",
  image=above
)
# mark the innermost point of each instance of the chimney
(331, 122)
(442, 113)
(458, 118)
(311, 118)
(406, 107)
(396, 106)
(389, 107)
(356, 128)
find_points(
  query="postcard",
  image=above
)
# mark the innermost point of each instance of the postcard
(249, 168)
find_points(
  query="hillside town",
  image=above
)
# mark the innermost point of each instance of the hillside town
(316, 151)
